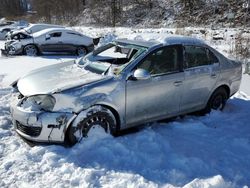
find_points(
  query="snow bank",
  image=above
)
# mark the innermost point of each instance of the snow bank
(209, 151)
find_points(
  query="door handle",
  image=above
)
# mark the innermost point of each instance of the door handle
(60, 42)
(178, 83)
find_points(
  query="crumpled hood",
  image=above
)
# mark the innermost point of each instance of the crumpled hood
(9, 42)
(55, 78)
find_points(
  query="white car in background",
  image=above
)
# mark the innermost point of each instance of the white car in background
(32, 28)
(8, 26)
(50, 41)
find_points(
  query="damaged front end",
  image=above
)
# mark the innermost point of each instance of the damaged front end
(11, 47)
(34, 121)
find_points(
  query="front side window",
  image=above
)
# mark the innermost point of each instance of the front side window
(162, 61)
(196, 56)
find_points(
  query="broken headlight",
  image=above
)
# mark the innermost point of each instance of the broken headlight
(39, 102)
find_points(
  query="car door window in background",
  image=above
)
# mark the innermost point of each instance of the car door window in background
(162, 61)
(57, 34)
(196, 56)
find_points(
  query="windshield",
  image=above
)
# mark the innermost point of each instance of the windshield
(28, 29)
(19, 36)
(111, 58)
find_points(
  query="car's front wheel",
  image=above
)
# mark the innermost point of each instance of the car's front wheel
(30, 50)
(81, 51)
(92, 121)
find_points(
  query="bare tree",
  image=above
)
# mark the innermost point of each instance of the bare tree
(58, 10)
(12, 8)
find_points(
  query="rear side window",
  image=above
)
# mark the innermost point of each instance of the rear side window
(196, 56)
(76, 34)
(212, 57)
(57, 34)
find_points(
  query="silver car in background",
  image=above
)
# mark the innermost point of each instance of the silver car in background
(8, 26)
(121, 85)
(49, 41)
(32, 28)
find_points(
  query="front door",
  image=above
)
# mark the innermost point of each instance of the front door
(53, 43)
(158, 96)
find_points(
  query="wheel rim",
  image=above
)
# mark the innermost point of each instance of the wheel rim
(81, 51)
(93, 124)
(30, 50)
(95, 120)
(218, 102)
(96, 130)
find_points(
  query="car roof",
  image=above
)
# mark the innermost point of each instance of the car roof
(42, 32)
(179, 39)
(42, 24)
(137, 42)
(164, 41)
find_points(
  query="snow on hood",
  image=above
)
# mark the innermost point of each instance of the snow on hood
(55, 78)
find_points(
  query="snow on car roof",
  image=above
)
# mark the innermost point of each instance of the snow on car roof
(42, 32)
(179, 39)
(42, 24)
(138, 42)
(163, 40)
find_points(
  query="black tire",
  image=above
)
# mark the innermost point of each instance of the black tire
(102, 117)
(81, 51)
(30, 50)
(217, 100)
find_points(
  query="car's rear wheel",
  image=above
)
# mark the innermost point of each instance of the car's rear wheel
(30, 50)
(81, 51)
(217, 100)
(95, 121)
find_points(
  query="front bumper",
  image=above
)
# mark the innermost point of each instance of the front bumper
(41, 126)
(4, 52)
(10, 50)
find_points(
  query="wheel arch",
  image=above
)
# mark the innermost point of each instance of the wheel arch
(38, 49)
(109, 107)
(224, 86)
(81, 46)
(74, 121)
(115, 113)
(206, 109)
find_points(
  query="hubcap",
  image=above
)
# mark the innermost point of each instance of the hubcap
(95, 123)
(30, 50)
(96, 130)
(218, 102)
(81, 51)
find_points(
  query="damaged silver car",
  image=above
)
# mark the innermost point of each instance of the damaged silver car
(120, 85)
(49, 41)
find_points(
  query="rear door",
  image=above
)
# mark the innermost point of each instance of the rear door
(158, 96)
(201, 70)
(71, 41)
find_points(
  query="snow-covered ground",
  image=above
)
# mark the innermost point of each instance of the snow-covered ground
(192, 152)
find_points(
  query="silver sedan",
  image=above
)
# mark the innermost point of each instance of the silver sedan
(120, 85)
(49, 41)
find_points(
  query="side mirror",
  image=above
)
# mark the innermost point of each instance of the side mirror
(47, 37)
(141, 74)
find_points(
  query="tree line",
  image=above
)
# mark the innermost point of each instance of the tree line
(13, 8)
(108, 12)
